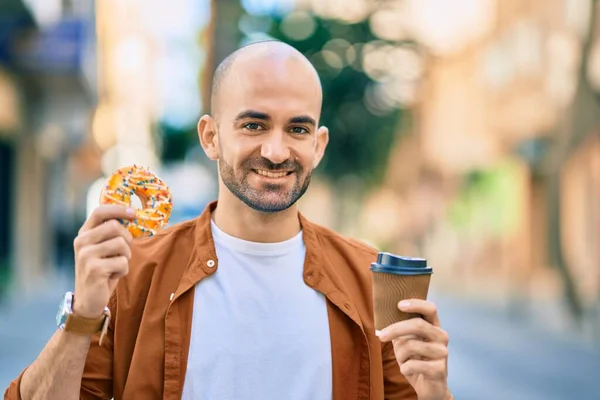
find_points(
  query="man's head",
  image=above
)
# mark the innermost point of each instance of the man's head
(264, 131)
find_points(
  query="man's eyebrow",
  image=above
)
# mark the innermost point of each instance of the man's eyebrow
(303, 119)
(252, 114)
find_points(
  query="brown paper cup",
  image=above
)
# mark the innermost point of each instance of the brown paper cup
(389, 289)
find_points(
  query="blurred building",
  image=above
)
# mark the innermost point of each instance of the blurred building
(14, 18)
(85, 88)
(47, 75)
(501, 177)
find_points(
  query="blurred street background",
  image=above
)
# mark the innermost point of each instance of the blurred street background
(463, 131)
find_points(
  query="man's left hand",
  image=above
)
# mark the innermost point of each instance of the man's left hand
(421, 349)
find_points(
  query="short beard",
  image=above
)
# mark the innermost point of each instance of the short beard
(254, 198)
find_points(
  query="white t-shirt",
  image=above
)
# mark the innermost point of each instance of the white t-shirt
(258, 332)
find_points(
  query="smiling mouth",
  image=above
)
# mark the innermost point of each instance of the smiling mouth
(269, 174)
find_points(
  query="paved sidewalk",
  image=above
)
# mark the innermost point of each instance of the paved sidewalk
(494, 358)
(25, 326)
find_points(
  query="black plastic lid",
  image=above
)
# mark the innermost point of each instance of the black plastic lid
(384, 258)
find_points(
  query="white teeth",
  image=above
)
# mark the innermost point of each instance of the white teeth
(271, 174)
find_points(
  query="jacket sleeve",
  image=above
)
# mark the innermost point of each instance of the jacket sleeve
(97, 380)
(395, 385)
(97, 374)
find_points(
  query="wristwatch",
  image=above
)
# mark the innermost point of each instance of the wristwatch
(67, 322)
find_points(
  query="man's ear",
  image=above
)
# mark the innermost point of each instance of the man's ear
(321, 144)
(207, 134)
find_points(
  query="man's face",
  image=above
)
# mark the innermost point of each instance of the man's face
(267, 134)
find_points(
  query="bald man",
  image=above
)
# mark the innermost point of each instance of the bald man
(250, 300)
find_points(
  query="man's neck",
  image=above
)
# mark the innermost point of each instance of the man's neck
(237, 219)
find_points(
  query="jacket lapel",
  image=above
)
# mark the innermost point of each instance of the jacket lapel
(349, 345)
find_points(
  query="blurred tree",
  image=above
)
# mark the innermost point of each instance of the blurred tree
(218, 39)
(223, 37)
(361, 138)
(174, 143)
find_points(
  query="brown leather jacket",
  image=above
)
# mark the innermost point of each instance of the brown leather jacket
(144, 355)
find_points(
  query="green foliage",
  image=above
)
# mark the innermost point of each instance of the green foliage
(175, 143)
(5, 276)
(488, 203)
(359, 140)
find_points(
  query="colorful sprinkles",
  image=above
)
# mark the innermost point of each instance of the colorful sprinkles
(154, 194)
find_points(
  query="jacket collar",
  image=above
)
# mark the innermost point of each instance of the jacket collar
(319, 273)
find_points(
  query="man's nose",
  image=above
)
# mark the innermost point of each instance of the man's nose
(275, 149)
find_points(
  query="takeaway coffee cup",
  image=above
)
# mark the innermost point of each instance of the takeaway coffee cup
(397, 278)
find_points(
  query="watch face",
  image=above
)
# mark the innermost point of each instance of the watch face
(64, 309)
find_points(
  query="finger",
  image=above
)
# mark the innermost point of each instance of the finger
(426, 308)
(114, 247)
(105, 213)
(430, 369)
(418, 350)
(114, 267)
(120, 267)
(101, 233)
(414, 327)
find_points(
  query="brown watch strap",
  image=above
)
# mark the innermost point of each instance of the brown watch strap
(84, 326)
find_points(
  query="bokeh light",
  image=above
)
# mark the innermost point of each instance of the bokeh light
(298, 25)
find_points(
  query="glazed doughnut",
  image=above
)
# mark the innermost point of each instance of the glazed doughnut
(153, 193)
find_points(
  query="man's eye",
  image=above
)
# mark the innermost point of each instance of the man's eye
(252, 126)
(298, 130)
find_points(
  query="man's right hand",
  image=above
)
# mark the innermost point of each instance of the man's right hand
(102, 253)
